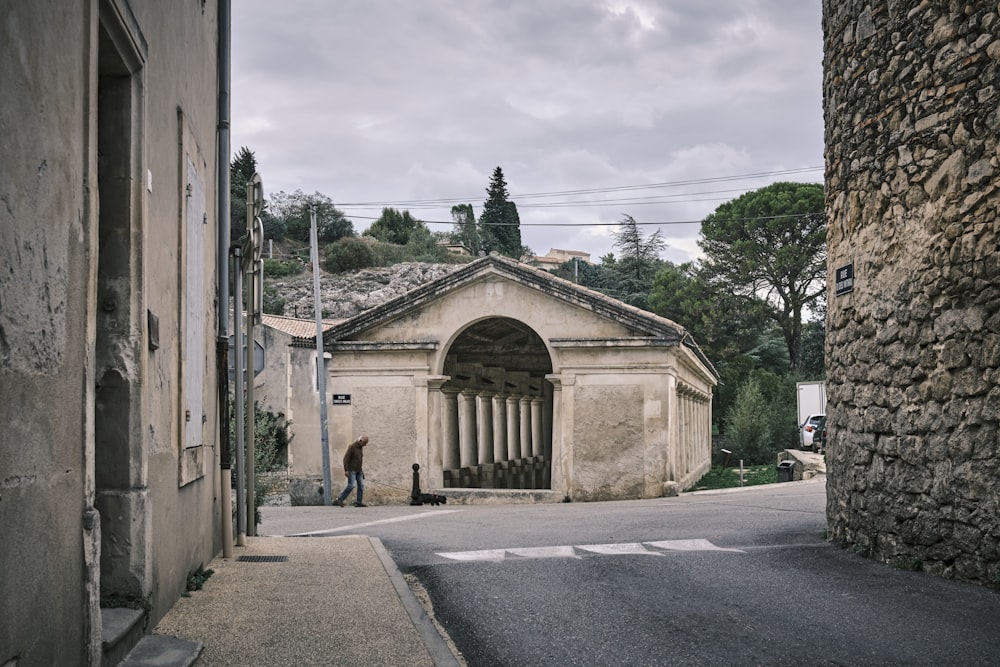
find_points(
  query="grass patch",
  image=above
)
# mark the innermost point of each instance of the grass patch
(196, 580)
(727, 478)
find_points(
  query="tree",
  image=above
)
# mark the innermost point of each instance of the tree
(636, 268)
(466, 232)
(241, 170)
(294, 210)
(769, 245)
(499, 223)
(395, 227)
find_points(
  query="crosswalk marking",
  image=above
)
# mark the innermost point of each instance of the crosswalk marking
(625, 549)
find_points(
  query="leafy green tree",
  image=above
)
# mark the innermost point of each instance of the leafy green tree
(748, 428)
(241, 170)
(639, 259)
(582, 273)
(466, 231)
(813, 364)
(499, 223)
(769, 245)
(395, 227)
(294, 210)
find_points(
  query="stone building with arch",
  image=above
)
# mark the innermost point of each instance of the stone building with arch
(502, 381)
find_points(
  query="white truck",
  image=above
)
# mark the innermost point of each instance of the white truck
(811, 404)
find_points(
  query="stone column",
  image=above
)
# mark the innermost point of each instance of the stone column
(561, 463)
(499, 428)
(468, 456)
(525, 423)
(450, 457)
(513, 429)
(527, 480)
(537, 439)
(484, 432)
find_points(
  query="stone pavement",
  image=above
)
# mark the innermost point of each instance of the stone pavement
(326, 601)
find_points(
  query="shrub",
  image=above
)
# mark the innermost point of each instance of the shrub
(280, 268)
(349, 254)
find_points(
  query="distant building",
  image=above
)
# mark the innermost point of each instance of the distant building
(109, 459)
(456, 248)
(556, 257)
(501, 377)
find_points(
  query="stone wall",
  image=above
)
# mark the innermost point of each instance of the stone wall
(912, 106)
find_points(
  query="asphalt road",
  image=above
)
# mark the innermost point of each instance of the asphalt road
(732, 578)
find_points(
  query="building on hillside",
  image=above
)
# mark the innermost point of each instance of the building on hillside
(555, 258)
(500, 376)
(454, 248)
(109, 460)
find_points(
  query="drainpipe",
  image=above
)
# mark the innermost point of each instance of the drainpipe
(222, 262)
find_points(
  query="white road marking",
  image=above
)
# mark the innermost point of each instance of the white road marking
(625, 549)
(495, 555)
(690, 545)
(618, 549)
(356, 526)
(544, 552)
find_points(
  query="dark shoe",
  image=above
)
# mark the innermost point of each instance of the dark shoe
(338, 503)
(360, 505)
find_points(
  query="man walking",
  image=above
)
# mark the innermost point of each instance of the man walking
(353, 460)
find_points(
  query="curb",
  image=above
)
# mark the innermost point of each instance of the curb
(436, 646)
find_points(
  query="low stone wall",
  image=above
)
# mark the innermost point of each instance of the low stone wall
(912, 105)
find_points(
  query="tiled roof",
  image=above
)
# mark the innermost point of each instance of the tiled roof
(295, 327)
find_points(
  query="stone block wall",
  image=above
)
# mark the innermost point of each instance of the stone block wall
(912, 108)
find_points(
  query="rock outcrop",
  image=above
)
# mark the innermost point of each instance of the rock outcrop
(347, 294)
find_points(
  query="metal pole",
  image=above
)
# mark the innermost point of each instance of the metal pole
(222, 255)
(240, 377)
(251, 266)
(320, 361)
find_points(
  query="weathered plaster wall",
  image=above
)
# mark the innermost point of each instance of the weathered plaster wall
(52, 357)
(180, 121)
(44, 292)
(913, 353)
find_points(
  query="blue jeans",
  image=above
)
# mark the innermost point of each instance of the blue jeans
(353, 478)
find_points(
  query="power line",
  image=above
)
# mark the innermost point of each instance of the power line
(607, 224)
(562, 193)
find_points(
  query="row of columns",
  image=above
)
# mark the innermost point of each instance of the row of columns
(695, 438)
(493, 440)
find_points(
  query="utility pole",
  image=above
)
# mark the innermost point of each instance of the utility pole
(253, 267)
(240, 378)
(320, 360)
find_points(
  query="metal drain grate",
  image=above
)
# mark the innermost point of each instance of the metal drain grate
(263, 559)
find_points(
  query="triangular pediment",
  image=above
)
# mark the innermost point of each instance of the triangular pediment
(633, 322)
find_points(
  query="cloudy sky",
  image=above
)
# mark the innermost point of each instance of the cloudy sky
(660, 109)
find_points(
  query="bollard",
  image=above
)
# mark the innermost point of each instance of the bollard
(415, 493)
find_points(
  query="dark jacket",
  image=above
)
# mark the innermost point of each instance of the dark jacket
(354, 457)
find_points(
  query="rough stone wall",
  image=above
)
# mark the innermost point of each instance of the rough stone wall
(912, 106)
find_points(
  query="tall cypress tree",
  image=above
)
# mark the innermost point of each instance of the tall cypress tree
(499, 224)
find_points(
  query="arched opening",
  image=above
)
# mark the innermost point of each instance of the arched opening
(497, 408)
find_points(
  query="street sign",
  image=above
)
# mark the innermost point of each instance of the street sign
(258, 357)
(341, 399)
(844, 279)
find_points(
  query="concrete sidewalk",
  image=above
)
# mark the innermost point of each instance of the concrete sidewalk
(325, 601)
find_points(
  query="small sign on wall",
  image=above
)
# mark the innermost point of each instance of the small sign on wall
(341, 399)
(844, 279)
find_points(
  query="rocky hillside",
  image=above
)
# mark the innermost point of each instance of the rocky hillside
(345, 295)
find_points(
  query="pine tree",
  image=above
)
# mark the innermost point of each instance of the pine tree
(499, 224)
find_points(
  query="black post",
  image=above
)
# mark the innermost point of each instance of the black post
(415, 493)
